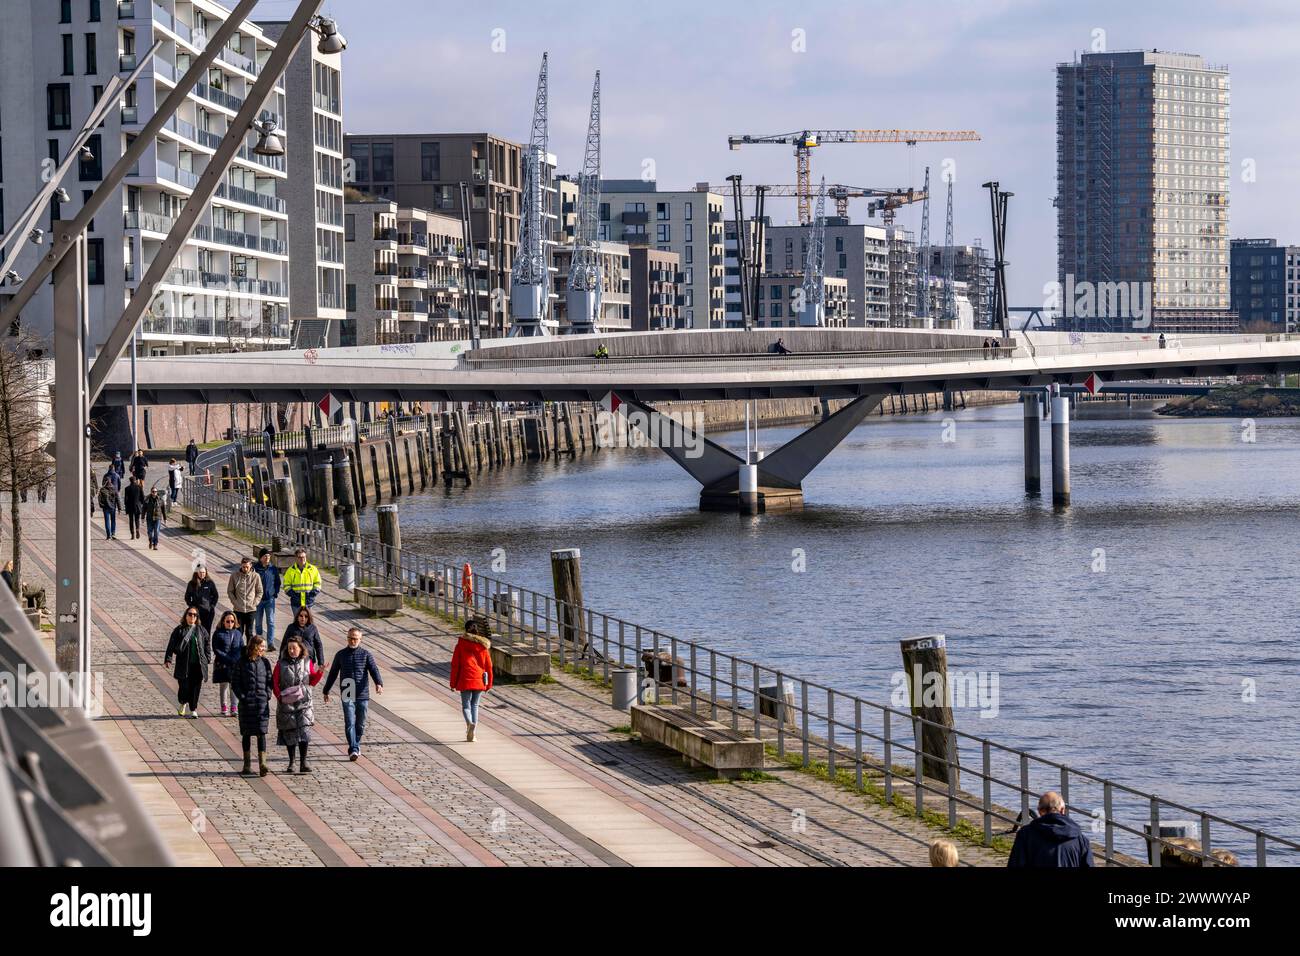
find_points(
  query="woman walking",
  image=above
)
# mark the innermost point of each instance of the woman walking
(174, 474)
(471, 670)
(202, 594)
(227, 649)
(291, 681)
(192, 648)
(251, 680)
(303, 628)
(109, 502)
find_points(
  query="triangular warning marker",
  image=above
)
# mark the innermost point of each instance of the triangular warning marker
(1092, 383)
(611, 402)
(329, 405)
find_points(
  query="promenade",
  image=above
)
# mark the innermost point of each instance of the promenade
(550, 781)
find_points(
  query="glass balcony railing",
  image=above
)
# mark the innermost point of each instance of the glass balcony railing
(232, 237)
(126, 9)
(270, 162)
(126, 62)
(220, 97)
(150, 221)
(160, 15)
(250, 198)
(214, 327)
(182, 177)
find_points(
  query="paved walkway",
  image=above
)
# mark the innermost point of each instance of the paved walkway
(547, 783)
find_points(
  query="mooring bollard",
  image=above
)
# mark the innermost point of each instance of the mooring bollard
(925, 661)
(1033, 436)
(390, 537)
(566, 576)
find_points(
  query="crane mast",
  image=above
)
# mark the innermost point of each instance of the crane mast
(585, 279)
(529, 279)
(814, 269)
(923, 255)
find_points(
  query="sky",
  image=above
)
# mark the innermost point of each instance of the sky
(678, 77)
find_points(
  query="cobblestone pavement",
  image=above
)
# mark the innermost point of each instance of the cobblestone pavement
(550, 782)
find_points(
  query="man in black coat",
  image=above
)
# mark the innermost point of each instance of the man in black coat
(134, 503)
(191, 455)
(357, 668)
(1051, 839)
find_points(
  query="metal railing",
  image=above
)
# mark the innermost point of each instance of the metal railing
(854, 741)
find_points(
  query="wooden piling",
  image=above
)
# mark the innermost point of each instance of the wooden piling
(925, 661)
(566, 576)
(323, 492)
(343, 492)
(390, 538)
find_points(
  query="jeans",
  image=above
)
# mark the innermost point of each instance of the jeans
(469, 705)
(174, 492)
(354, 722)
(153, 525)
(265, 612)
(110, 522)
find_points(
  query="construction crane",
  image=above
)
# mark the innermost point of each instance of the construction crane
(949, 255)
(804, 142)
(885, 201)
(814, 268)
(529, 279)
(585, 279)
(923, 254)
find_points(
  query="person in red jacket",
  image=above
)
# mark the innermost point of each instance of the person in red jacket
(471, 670)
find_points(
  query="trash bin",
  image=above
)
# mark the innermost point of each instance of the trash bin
(348, 577)
(624, 680)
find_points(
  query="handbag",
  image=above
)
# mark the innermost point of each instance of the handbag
(294, 694)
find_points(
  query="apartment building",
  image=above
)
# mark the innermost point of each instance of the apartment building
(1266, 285)
(1142, 188)
(972, 270)
(734, 317)
(407, 276)
(425, 170)
(902, 277)
(229, 286)
(616, 288)
(781, 300)
(656, 289)
(314, 192)
(689, 223)
(857, 253)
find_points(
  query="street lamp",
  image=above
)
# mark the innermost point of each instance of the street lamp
(61, 195)
(37, 235)
(268, 144)
(331, 41)
(13, 277)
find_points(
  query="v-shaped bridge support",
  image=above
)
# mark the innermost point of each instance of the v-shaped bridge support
(718, 469)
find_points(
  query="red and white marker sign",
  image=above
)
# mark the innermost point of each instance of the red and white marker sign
(1092, 383)
(611, 402)
(329, 405)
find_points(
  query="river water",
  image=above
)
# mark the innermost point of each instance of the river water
(1147, 634)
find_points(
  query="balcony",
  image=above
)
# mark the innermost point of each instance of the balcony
(230, 237)
(413, 308)
(182, 177)
(386, 269)
(385, 235)
(126, 62)
(130, 115)
(220, 97)
(126, 9)
(219, 327)
(237, 60)
(385, 305)
(446, 285)
(447, 253)
(171, 23)
(636, 218)
(412, 274)
(413, 239)
(250, 198)
(270, 162)
(326, 102)
(148, 221)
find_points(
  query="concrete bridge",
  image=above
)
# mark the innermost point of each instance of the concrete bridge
(862, 365)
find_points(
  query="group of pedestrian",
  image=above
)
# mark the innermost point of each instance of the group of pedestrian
(991, 347)
(146, 509)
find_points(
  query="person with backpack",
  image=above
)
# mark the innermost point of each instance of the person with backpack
(134, 501)
(109, 503)
(471, 670)
(292, 681)
(251, 680)
(227, 648)
(202, 594)
(155, 513)
(190, 645)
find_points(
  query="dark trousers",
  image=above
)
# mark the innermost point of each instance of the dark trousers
(246, 622)
(205, 618)
(134, 518)
(187, 691)
(261, 743)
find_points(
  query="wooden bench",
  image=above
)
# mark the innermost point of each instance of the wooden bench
(700, 741)
(518, 663)
(382, 602)
(200, 524)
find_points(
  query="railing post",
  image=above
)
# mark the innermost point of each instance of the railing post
(672, 667)
(1205, 838)
(857, 742)
(1024, 784)
(734, 696)
(1155, 850)
(988, 793)
(917, 774)
(803, 724)
(604, 637)
(780, 715)
(694, 694)
(1261, 849)
(889, 758)
(830, 733)
(951, 764)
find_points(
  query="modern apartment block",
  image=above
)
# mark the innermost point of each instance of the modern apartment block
(1265, 285)
(780, 297)
(972, 270)
(858, 253)
(689, 223)
(407, 280)
(735, 318)
(902, 277)
(1142, 190)
(229, 286)
(314, 192)
(616, 290)
(656, 289)
(425, 170)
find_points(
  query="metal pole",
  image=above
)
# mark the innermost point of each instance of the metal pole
(135, 402)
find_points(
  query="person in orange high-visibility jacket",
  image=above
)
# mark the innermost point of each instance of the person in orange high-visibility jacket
(467, 584)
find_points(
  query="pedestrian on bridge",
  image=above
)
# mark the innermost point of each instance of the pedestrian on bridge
(269, 572)
(303, 629)
(191, 646)
(227, 649)
(302, 581)
(109, 502)
(251, 681)
(155, 513)
(355, 668)
(471, 670)
(134, 505)
(1051, 839)
(202, 594)
(245, 592)
(291, 681)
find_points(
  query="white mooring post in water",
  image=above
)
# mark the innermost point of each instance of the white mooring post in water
(1060, 448)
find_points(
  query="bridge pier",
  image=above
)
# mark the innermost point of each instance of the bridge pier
(1033, 437)
(1060, 448)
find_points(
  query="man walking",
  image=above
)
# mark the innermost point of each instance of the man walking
(134, 502)
(1051, 839)
(155, 511)
(354, 667)
(269, 572)
(301, 581)
(245, 592)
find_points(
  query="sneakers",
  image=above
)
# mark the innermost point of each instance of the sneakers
(194, 714)
(180, 711)
(353, 755)
(224, 710)
(234, 710)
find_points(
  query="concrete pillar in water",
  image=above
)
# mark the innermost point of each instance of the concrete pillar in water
(1033, 437)
(343, 492)
(322, 484)
(390, 538)
(749, 489)
(1060, 448)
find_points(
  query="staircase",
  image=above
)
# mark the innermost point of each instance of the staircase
(310, 333)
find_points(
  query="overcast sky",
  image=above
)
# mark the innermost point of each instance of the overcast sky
(678, 77)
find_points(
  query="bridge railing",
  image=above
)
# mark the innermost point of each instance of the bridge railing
(743, 360)
(296, 440)
(978, 787)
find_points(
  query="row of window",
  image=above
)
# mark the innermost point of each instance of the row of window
(92, 59)
(65, 11)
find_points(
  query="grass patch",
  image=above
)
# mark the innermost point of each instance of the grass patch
(623, 729)
(757, 776)
(582, 673)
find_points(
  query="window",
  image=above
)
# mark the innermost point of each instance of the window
(663, 211)
(69, 67)
(351, 304)
(381, 162)
(349, 227)
(92, 61)
(359, 153)
(95, 261)
(429, 162)
(65, 11)
(690, 254)
(665, 232)
(690, 232)
(689, 215)
(93, 168)
(604, 212)
(58, 107)
(93, 16)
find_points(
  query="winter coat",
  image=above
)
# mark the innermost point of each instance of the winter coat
(227, 649)
(134, 500)
(139, 465)
(244, 591)
(155, 508)
(109, 499)
(178, 648)
(270, 576)
(251, 681)
(202, 595)
(310, 638)
(354, 668)
(1052, 840)
(471, 664)
(303, 584)
(191, 455)
(117, 467)
(174, 473)
(293, 721)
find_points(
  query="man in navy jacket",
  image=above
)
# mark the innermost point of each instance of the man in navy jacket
(1051, 839)
(265, 614)
(354, 667)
